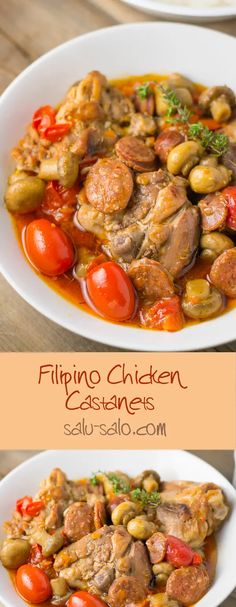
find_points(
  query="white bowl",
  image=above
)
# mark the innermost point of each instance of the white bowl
(203, 55)
(180, 12)
(172, 465)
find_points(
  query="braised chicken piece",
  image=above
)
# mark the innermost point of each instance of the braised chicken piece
(191, 511)
(99, 558)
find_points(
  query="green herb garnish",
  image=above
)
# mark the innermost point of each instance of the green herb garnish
(119, 485)
(144, 90)
(213, 141)
(94, 480)
(147, 499)
(175, 113)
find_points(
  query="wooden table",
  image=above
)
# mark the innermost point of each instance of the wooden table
(222, 460)
(28, 29)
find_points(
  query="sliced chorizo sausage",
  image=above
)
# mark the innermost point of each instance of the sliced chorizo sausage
(223, 272)
(151, 280)
(214, 211)
(135, 153)
(78, 521)
(109, 185)
(188, 584)
(126, 590)
(156, 547)
(166, 141)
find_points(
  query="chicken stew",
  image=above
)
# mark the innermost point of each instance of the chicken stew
(124, 198)
(114, 540)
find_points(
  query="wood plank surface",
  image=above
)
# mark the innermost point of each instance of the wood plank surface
(27, 30)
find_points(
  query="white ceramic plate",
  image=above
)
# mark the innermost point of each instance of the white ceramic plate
(171, 465)
(203, 55)
(180, 11)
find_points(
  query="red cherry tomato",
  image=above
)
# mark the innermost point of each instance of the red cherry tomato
(56, 196)
(111, 291)
(178, 553)
(165, 315)
(22, 504)
(57, 131)
(48, 247)
(43, 118)
(26, 506)
(230, 198)
(84, 599)
(33, 584)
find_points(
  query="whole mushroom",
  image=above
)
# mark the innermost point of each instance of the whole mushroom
(218, 101)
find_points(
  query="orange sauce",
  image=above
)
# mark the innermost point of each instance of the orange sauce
(66, 285)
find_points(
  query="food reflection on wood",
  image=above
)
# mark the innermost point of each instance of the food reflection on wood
(114, 539)
(123, 190)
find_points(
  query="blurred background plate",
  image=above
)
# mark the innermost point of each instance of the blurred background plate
(183, 11)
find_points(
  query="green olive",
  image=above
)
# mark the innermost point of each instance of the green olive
(25, 195)
(59, 586)
(213, 244)
(14, 553)
(140, 528)
(200, 300)
(184, 157)
(208, 179)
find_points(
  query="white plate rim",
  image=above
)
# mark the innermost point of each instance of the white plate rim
(160, 8)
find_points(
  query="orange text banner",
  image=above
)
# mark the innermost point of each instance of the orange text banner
(119, 400)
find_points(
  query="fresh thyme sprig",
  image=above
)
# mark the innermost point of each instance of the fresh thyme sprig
(215, 142)
(119, 484)
(144, 90)
(175, 112)
(147, 499)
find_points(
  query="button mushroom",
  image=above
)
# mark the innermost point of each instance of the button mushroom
(201, 300)
(25, 194)
(214, 244)
(14, 553)
(218, 100)
(50, 543)
(148, 480)
(65, 169)
(60, 591)
(208, 179)
(141, 528)
(162, 600)
(184, 157)
(162, 572)
(124, 512)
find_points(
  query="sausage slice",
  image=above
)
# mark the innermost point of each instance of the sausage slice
(157, 547)
(135, 153)
(223, 272)
(109, 185)
(125, 590)
(78, 521)
(188, 584)
(214, 212)
(166, 141)
(151, 280)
